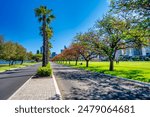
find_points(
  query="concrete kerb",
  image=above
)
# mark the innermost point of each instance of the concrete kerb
(19, 88)
(56, 87)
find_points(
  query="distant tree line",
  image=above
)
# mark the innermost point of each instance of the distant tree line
(12, 52)
(126, 25)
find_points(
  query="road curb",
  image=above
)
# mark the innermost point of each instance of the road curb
(19, 88)
(56, 87)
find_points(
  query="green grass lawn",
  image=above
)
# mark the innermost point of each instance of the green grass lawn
(4, 67)
(132, 70)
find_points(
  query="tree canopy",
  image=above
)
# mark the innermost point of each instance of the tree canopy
(125, 26)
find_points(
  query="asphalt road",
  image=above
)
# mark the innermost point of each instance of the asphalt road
(75, 84)
(11, 80)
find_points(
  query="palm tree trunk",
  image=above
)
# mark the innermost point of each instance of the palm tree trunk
(47, 49)
(44, 54)
(44, 42)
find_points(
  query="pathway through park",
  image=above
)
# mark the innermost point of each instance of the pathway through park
(11, 80)
(79, 84)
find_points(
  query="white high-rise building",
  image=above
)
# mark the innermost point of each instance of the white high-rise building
(144, 51)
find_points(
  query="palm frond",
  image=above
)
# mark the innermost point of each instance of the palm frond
(40, 19)
(37, 12)
(50, 18)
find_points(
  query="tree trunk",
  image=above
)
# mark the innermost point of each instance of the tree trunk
(44, 41)
(111, 67)
(12, 63)
(87, 63)
(76, 62)
(9, 63)
(47, 50)
(44, 54)
(21, 62)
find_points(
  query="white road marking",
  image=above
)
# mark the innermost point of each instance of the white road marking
(56, 86)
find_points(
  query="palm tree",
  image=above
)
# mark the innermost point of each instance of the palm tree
(45, 17)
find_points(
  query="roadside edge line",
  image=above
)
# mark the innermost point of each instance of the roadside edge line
(56, 86)
(10, 98)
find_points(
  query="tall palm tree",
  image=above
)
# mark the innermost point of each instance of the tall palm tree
(45, 16)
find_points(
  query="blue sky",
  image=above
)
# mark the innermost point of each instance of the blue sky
(19, 24)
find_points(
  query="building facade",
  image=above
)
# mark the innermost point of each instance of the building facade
(132, 52)
(53, 54)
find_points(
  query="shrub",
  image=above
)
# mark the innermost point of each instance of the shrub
(136, 58)
(147, 59)
(44, 71)
(48, 65)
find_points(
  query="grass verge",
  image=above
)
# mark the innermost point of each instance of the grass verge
(4, 67)
(138, 70)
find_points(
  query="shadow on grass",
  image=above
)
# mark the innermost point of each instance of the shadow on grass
(130, 74)
(90, 68)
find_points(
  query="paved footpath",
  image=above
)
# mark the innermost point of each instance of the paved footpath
(36, 89)
(75, 84)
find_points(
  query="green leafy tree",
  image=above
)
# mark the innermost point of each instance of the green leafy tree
(12, 52)
(85, 43)
(1, 46)
(20, 53)
(136, 12)
(29, 56)
(45, 17)
(37, 57)
(9, 52)
(140, 7)
(114, 34)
